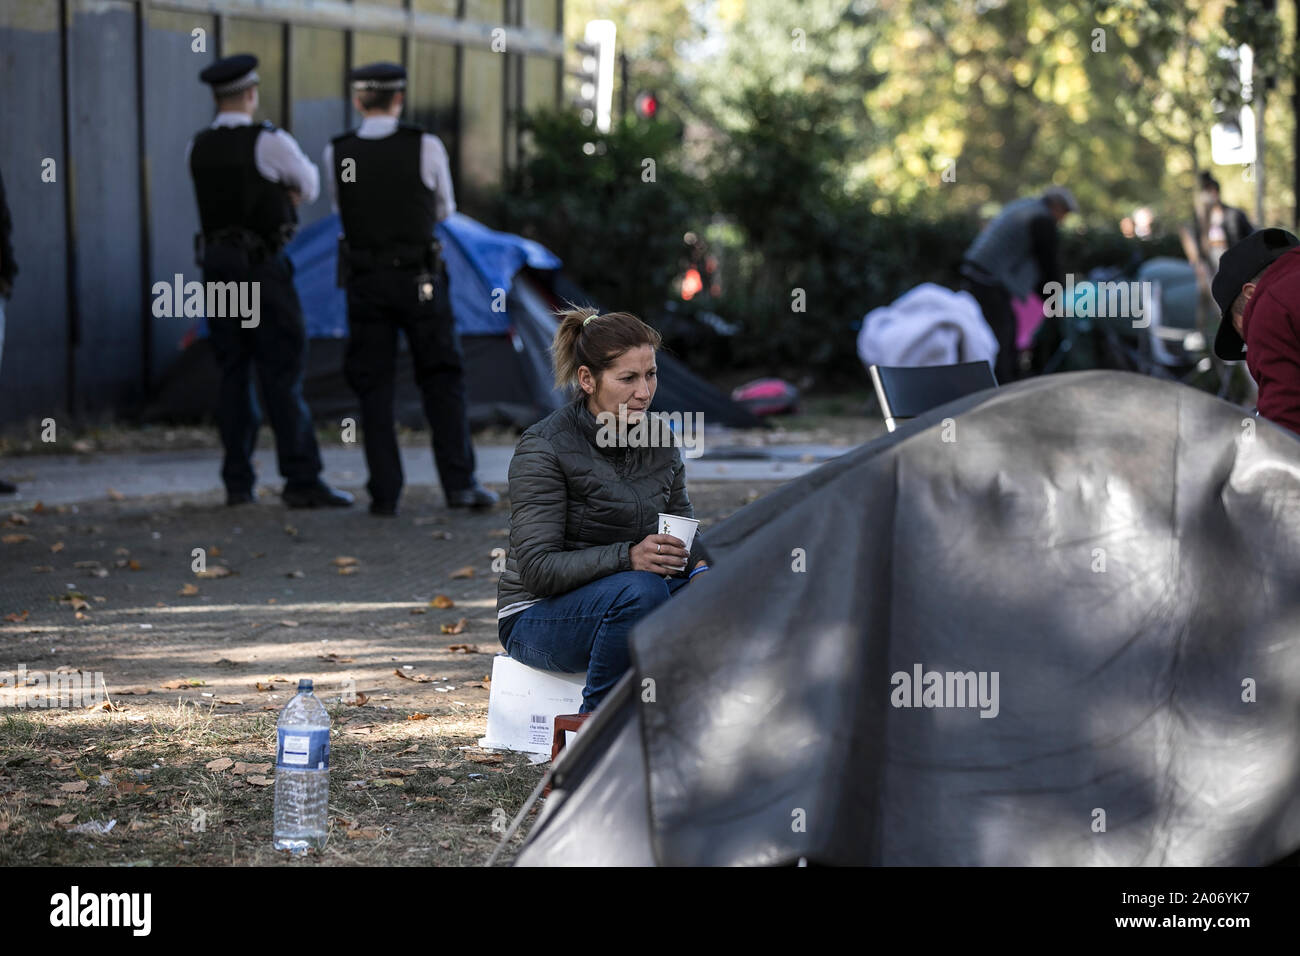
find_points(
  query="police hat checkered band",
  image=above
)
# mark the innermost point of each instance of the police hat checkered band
(379, 84)
(234, 86)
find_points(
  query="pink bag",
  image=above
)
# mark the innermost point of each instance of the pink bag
(1029, 316)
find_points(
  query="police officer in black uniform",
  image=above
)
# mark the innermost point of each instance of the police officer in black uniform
(391, 184)
(248, 179)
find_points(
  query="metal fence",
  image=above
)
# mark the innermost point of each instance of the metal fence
(100, 97)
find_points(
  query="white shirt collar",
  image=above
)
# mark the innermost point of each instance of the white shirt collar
(230, 118)
(377, 127)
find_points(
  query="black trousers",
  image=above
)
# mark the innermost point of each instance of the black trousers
(379, 305)
(995, 302)
(277, 348)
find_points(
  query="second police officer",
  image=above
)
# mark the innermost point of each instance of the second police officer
(391, 185)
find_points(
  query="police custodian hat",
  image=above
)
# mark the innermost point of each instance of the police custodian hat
(378, 76)
(231, 74)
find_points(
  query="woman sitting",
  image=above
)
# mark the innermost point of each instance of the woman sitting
(585, 563)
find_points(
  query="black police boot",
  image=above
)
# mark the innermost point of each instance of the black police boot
(384, 509)
(319, 495)
(7, 488)
(234, 498)
(475, 496)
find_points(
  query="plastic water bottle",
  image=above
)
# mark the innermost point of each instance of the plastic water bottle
(302, 773)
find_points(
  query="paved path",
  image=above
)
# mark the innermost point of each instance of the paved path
(68, 479)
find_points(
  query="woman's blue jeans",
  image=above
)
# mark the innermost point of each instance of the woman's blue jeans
(587, 628)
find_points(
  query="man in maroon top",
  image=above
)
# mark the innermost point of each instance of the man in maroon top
(1257, 290)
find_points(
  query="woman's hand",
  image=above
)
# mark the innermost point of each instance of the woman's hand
(659, 553)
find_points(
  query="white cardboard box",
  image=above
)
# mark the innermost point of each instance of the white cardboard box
(523, 703)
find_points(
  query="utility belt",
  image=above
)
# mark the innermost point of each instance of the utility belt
(254, 246)
(425, 257)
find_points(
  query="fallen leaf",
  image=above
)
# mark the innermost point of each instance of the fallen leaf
(116, 495)
(77, 603)
(216, 571)
(484, 758)
(184, 683)
(363, 729)
(418, 678)
(260, 781)
(366, 834)
(418, 715)
(443, 602)
(466, 572)
(464, 649)
(56, 547)
(456, 629)
(135, 565)
(290, 530)
(42, 568)
(229, 700)
(485, 684)
(65, 820)
(288, 623)
(445, 844)
(334, 658)
(359, 700)
(107, 705)
(409, 750)
(188, 590)
(344, 562)
(260, 686)
(398, 772)
(17, 518)
(130, 786)
(16, 538)
(394, 782)
(214, 551)
(52, 802)
(220, 764)
(444, 782)
(243, 768)
(77, 786)
(419, 610)
(440, 535)
(16, 618)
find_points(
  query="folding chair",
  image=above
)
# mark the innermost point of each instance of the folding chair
(904, 393)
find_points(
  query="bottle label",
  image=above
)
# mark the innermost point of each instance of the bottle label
(301, 749)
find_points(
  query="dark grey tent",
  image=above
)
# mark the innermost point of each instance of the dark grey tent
(1101, 571)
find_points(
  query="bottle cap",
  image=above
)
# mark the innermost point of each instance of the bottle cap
(304, 684)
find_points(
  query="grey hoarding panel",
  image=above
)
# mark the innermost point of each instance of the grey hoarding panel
(106, 171)
(32, 373)
(176, 106)
(317, 82)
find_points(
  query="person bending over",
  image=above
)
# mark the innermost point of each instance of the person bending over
(584, 563)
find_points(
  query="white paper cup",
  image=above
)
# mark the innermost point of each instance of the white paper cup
(678, 527)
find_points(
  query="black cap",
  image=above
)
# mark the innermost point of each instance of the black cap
(1239, 265)
(378, 76)
(231, 74)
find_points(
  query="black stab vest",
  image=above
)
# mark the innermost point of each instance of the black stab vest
(387, 203)
(230, 190)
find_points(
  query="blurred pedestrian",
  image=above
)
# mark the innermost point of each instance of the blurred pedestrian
(1013, 256)
(1257, 290)
(391, 184)
(248, 179)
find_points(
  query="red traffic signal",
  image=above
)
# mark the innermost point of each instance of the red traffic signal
(647, 105)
